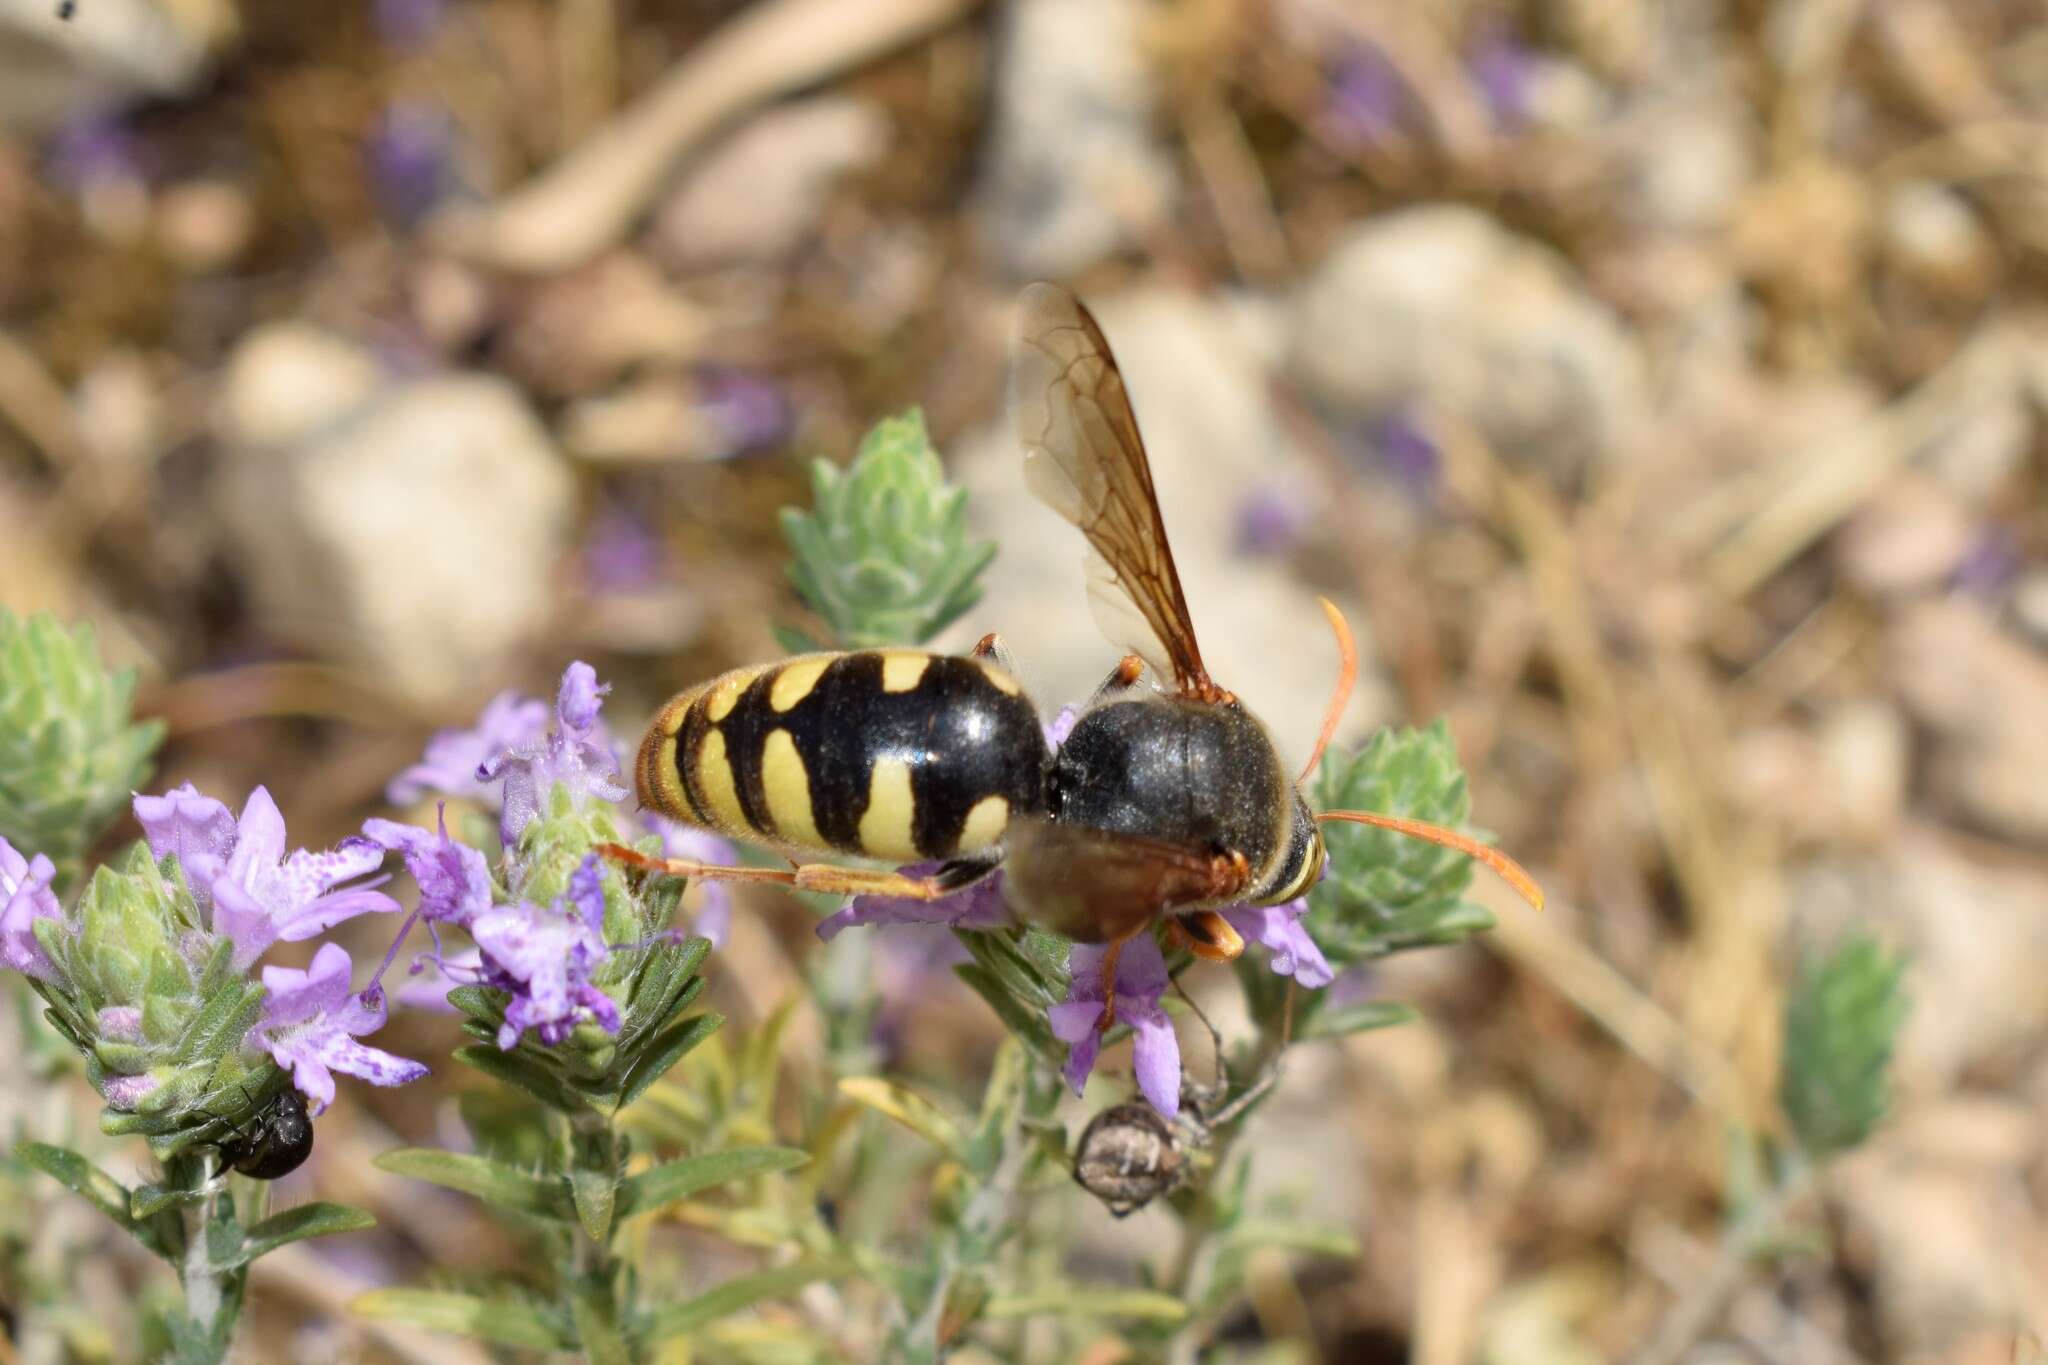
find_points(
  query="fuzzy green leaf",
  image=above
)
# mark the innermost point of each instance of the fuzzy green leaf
(735, 1295)
(294, 1225)
(884, 555)
(1341, 1023)
(664, 1052)
(507, 1322)
(910, 1109)
(1841, 1020)
(665, 1184)
(490, 1181)
(1385, 891)
(1076, 1301)
(81, 1177)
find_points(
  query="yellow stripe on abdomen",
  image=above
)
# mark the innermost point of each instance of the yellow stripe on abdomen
(886, 825)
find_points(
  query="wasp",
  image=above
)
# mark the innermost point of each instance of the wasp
(1162, 803)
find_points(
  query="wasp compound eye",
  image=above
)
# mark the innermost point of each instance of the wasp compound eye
(1127, 1157)
(274, 1143)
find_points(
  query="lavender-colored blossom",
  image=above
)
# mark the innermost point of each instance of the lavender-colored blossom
(576, 753)
(311, 1023)
(409, 23)
(126, 1093)
(25, 897)
(436, 974)
(454, 879)
(1062, 726)
(714, 914)
(1280, 929)
(1272, 520)
(544, 957)
(251, 890)
(1990, 563)
(1141, 981)
(120, 1023)
(455, 759)
(977, 906)
(1408, 449)
(94, 150)
(1505, 72)
(621, 553)
(411, 155)
(748, 411)
(1366, 100)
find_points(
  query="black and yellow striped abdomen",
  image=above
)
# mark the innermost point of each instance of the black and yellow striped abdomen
(887, 753)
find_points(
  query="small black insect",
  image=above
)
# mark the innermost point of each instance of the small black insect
(66, 9)
(275, 1142)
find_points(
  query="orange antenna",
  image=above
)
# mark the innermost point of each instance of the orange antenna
(1347, 674)
(1509, 870)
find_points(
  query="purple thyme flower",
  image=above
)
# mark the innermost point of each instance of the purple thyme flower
(748, 411)
(1141, 981)
(242, 878)
(714, 915)
(124, 1093)
(455, 759)
(1279, 928)
(409, 23)
(311, 1023)
(1366, 100)
(1272, 519)
(620, 552)
(1505, 72)
(454, 879)
(577, 752)
(411, 156)
(436, 974)
(1410, 451)
(545, 956)
(978, 906)
(25, 897)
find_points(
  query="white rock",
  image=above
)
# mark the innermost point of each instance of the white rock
(290, 379)
(1197, 375)
(414, 537)
(109, 52)
(1439, 305)
(756, 196)
(1073, 167)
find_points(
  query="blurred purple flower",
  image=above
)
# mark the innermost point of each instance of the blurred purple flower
(93, 150)
(1365, 100)
(1141, 981)
(577, 753)
(1408, 449)
(310, 1025)
(714, 914)
(620, 551)
(455, 759)
(411, 156)
(1271, 520)
(251, 890)
(1279, 928)
(409, 23)
(748, 411)
(25, 897)
(434, 975)
(454, 879)
(1505, 71)
(544, 957)
(1990, 563)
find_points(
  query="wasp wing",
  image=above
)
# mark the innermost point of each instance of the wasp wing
(1084, 458)
(1097, 886)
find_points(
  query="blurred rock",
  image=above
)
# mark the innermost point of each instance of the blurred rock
(575, 333)
(109, 53)
(1806, 233)
(756, 196)
(1936, 1214)
(1984, 695)
(1847, 781)
(1988, 447)
(1074, 171)
(1686, 160)
(1908, 538)
(204, 225)
(1933, 236)
(1976, 935)
(1197, 374)
(411, 532)
(2030, 606)
(1441, 306)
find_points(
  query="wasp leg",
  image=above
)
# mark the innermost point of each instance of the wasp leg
(1109, 957)
(847, 881)
(992, 648)
(1129, 671)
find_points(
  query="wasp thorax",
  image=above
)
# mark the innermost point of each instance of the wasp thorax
(1127, 1157)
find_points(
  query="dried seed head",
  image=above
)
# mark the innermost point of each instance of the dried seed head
(1127, 1157)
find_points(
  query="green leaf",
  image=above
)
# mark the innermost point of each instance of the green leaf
(1075, 1301)
(147, 1201)
(1341, 1023)
(664, 1052)
(594, 1180)
(515, 1069)
(735, 1295)
(507, 1322)
(503, 1186)
(1842, 1019)
(81, 1177)
(295, 1225)
(910, 1109)
(1021, 1021)
(663, 1185)
(1317, 1238)
(597, 1325)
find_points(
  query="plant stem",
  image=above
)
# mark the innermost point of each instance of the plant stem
(1692, 1316)
(208, 1300)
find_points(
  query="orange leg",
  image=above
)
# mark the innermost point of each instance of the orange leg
(1116, 948)
(1207, 935)
(846, 881)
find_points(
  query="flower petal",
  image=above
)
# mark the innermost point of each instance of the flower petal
(292, 996)
(1155, 1056)
(183, 822)
(25, 897)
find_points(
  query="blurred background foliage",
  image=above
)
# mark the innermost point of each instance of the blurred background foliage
(1659, 387)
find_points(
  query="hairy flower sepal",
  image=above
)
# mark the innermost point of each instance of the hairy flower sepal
(1384, 891)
